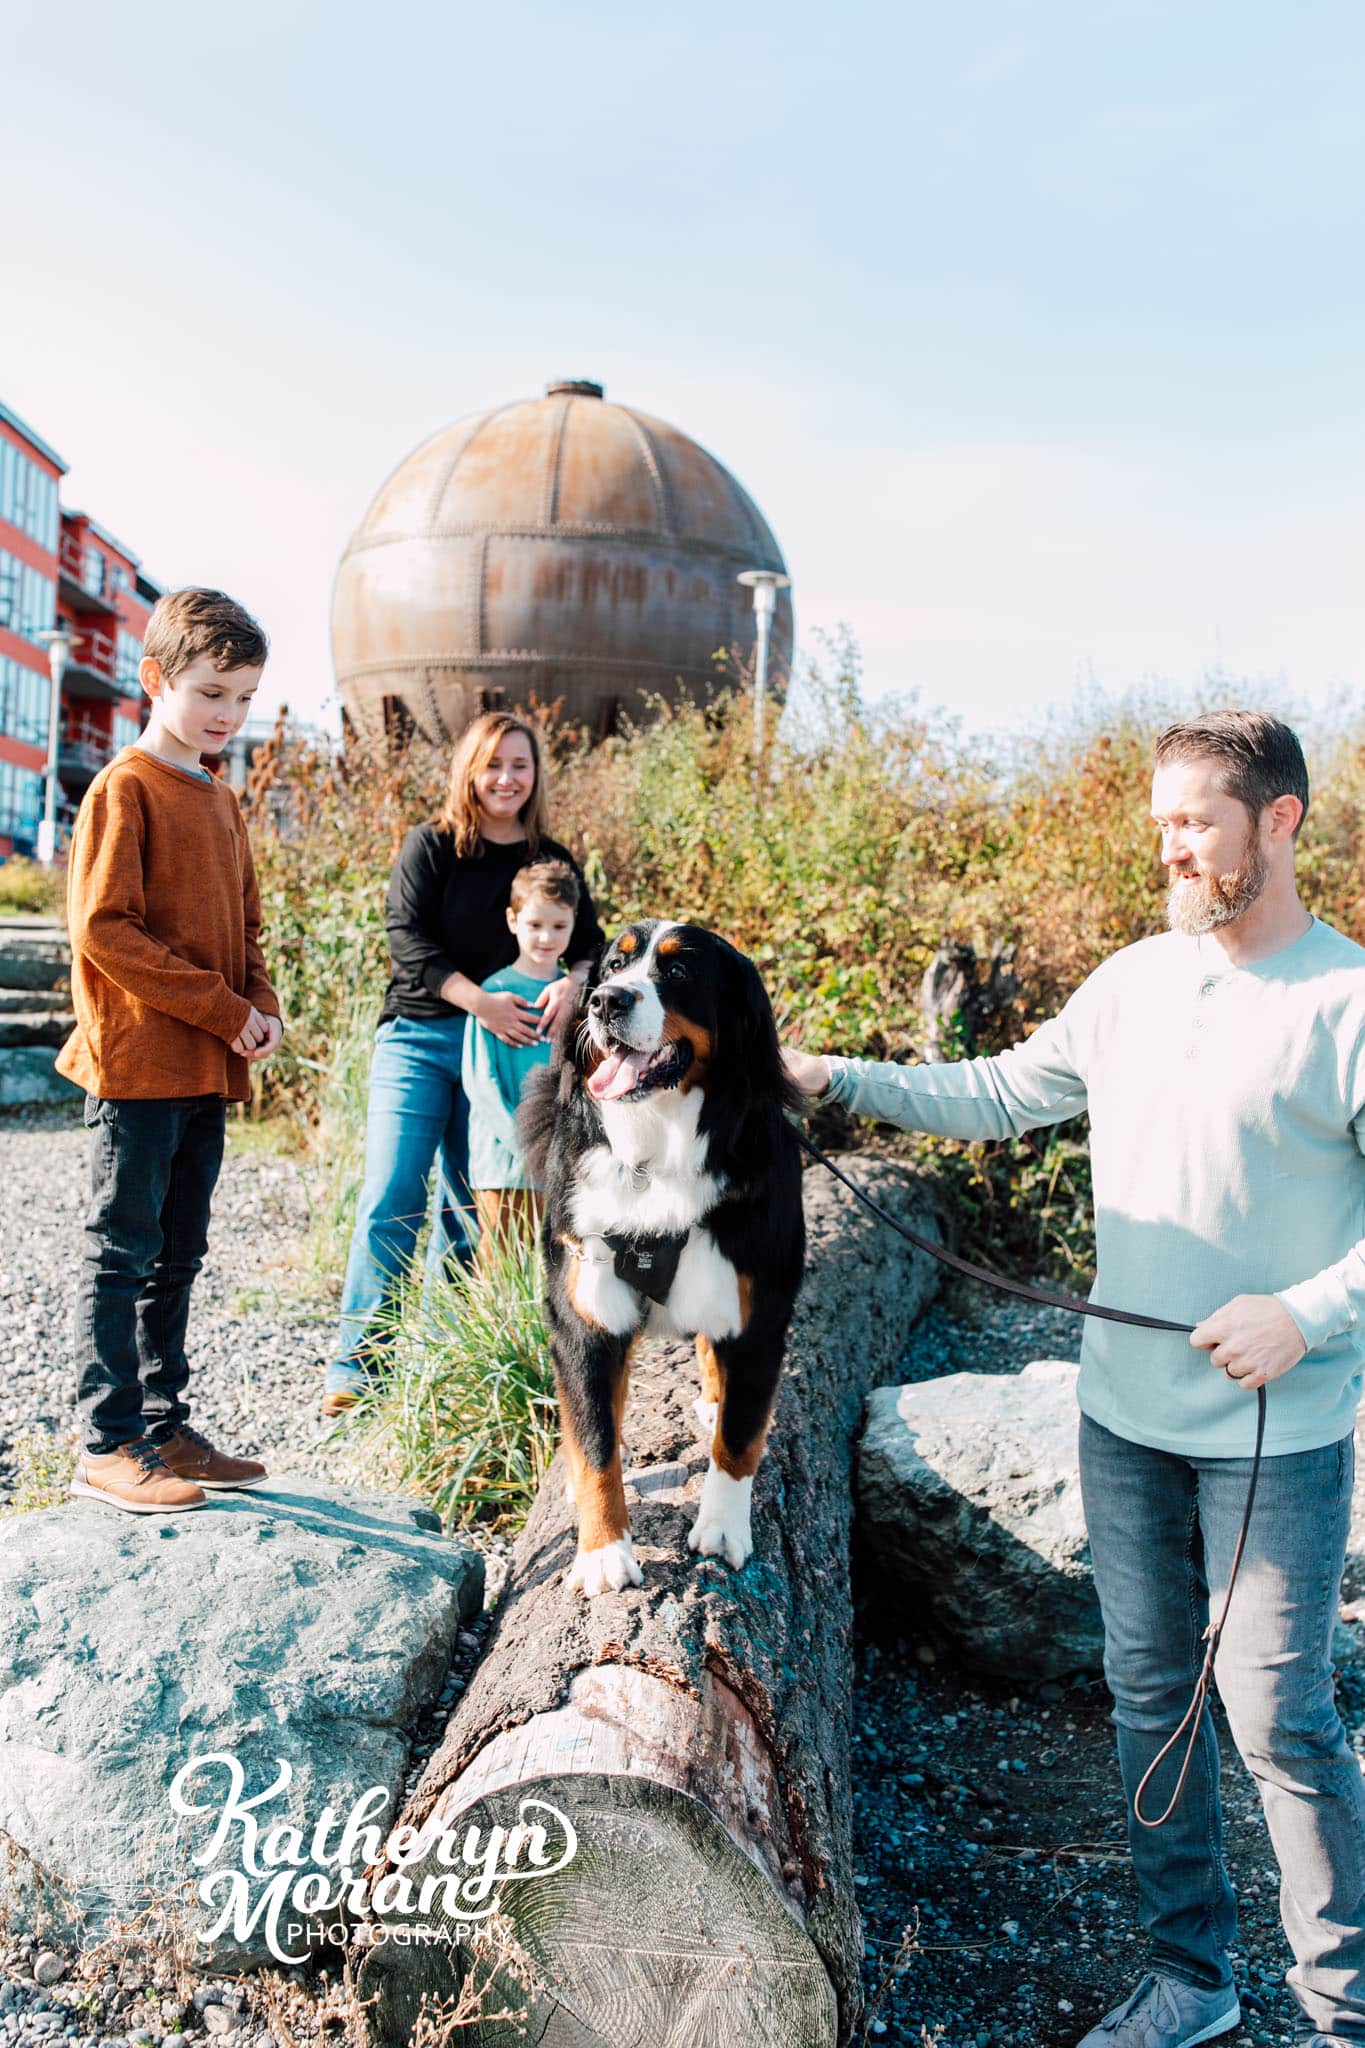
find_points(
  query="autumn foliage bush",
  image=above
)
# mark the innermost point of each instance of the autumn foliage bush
(864, 838)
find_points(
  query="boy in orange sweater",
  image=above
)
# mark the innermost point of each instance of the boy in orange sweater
(172, 1002)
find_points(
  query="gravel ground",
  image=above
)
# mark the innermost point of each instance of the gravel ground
(993, 1877)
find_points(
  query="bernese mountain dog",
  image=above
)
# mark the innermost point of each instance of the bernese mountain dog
(672, 1188)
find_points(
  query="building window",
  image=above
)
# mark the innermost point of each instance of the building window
(21, 806)
(28, 599)
(92, 572)
(24, 700)
(127, 731)
(28, 497)
(128, 661)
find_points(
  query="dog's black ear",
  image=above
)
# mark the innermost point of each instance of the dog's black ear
(546, 1088)
(761, 1049)
(535, 1118)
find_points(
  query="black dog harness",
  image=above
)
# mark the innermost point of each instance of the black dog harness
(648, 1264)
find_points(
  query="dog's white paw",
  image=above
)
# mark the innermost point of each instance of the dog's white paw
(705, 1412)
(612, 1566)
(722, 1525)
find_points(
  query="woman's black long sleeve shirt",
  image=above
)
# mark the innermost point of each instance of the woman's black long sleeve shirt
(447, 915)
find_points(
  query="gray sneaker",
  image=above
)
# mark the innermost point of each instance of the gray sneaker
(1165, 2012)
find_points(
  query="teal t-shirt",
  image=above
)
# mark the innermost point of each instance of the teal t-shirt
(494, 1074)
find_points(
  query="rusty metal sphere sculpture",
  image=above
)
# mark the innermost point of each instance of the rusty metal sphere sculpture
(559, 546)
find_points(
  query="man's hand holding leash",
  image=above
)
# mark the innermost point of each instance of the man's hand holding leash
(1252, 1338)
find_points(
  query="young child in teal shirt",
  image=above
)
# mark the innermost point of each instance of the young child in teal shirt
(541, 916)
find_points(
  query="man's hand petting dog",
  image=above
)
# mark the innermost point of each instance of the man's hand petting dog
(809, 1070)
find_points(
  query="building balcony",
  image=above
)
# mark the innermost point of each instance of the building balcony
(74, 592)
(93, 670)
(83, 751)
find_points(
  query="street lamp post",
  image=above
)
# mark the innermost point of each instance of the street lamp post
(59, 643)
(765, 584)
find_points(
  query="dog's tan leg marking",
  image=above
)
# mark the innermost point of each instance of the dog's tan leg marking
(573, 1459)
(710, 1369)
(605, 1557)
(740, 1464)
(746, 1299)
(722, 1525)
(572, 1271)
(706, 1407)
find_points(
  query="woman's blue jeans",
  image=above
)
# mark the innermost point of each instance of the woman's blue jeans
(418, 1114)
(1163, 1530)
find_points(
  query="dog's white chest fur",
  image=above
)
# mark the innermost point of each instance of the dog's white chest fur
(650, 1179)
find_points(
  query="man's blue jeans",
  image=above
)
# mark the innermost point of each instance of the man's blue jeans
(153, 1167)
(1162, 1533)
(418, 1113)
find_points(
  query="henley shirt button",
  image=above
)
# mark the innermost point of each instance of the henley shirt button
(1206, 988)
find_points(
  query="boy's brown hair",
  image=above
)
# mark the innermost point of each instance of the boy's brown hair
(552, 878)
(188, 624)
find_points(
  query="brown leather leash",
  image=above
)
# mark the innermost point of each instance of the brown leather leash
(1074, 1306)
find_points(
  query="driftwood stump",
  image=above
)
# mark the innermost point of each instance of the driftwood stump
(694, 1730)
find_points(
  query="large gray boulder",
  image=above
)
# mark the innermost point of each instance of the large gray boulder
(969, 1502)
(298, 1623)
(35, 1018)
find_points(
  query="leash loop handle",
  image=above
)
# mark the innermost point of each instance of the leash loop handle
(1194, 1713)
(1213, 1636)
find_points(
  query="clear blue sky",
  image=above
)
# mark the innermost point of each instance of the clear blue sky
(1037, 330)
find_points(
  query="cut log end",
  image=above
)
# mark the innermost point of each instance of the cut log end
(659, 1929)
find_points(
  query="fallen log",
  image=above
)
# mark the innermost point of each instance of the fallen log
(692, 1734)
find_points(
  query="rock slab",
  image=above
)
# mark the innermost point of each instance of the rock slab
(35, 963)
(969, 1504)
(300, 1621)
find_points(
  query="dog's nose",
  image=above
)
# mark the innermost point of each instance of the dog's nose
(610, 1002)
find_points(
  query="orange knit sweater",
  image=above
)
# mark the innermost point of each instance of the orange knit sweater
(164, 913)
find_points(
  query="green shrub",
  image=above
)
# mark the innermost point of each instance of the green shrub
(27, 890)
(464, 1414)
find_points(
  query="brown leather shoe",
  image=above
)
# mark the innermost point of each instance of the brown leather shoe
(191, 1456)
(135, 1478)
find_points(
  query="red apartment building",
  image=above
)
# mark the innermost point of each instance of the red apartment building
(59, 567)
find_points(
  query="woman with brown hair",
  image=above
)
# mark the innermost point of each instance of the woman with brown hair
(448, 931)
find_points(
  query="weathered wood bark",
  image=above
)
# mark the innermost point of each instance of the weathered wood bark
(695, 1730)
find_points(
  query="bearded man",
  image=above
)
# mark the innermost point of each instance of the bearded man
(1223, 1066)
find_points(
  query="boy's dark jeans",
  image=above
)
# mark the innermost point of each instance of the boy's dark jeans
(153, 1168)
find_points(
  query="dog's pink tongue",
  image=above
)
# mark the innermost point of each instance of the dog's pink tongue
(616, 1075)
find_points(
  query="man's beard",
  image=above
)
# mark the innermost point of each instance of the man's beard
(1216, 900)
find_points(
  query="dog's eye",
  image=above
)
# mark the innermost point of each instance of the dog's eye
(675, 971)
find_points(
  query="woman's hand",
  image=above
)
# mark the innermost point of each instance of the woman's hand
(554, 997)
(509, 1018)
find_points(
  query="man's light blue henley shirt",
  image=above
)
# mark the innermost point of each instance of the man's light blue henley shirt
(1227, 1112)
